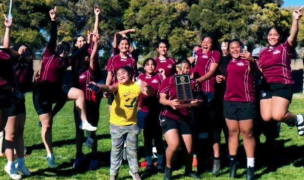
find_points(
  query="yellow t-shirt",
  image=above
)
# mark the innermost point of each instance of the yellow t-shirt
(124, 106)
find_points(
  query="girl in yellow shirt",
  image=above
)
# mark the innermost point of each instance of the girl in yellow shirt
(123, 119)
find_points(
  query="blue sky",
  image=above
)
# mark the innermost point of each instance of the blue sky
(288, 3)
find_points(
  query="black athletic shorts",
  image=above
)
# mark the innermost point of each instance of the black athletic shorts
(44, 96)
(279, 90)
(5, 99)
(17, 108)
(167, 124)
(239, 110)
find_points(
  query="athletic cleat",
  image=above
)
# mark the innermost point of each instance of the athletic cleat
(12, 172)
(23, 169)
(135, 176)
(233, 168)
(51, 162)
(250, 173)
(216, 166)
(168, 173)
(300, 126)
(85, 125)
(94, 164)
(78, 162)
(193, 175)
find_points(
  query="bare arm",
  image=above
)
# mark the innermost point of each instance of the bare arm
(109, 89)
(94, 52)
(164, 101)
(209, 74)
(97, 12)
(146, 89)
(297, 14)
(6, 40)
(121, 34)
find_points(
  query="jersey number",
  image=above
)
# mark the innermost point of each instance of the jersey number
(131, 105)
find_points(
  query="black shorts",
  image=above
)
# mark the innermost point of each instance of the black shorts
(239, 110)
(5, 99)
(17, 108)
(110, 99)
(167, 124)
(280, 90)
(44, 97)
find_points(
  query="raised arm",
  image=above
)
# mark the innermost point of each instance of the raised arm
(122, 34)
(53, 31)
(94, 52)
(8, 24)
(97, 12)
(297, 14)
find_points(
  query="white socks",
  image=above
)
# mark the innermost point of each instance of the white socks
(250, 162)
(51, 156)
(299, 119)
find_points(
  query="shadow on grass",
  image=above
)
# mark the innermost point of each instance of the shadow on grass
(30, 149)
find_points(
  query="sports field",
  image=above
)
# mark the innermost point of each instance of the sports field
(288, 163)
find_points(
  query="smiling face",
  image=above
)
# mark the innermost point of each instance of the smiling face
(206, 45)
(123, 76)
(149, 67)
(162, 49)
(183, 68)
(224, 47)
(81, 41)
(235, 49)
(273, 37)
(123, 46)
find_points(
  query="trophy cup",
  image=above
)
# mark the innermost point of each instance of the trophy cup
(183, 90)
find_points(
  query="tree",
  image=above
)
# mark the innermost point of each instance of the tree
(154, 20)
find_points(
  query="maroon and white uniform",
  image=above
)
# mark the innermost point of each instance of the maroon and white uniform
(168, 65)
(239, 82)
(168, 87)
(84, 79)
(145, 102)
(6, 70)
(117, 62)
(203, 66)
(275, 64)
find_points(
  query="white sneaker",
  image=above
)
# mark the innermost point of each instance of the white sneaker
(23, 169)
(51, 162)
(12, 172)
(85, 125)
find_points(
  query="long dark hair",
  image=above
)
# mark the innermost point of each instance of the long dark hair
(75, 48)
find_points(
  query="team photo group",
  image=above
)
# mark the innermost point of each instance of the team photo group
(174, 105)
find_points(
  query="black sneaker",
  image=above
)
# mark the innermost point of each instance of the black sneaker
(193, 175)
(250, 173)
(233, 168)
(168, 173)
(300, 126)
(216, 166)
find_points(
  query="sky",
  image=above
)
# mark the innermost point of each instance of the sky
(288, 3)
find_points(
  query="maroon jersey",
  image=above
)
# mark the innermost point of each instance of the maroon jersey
(275, 64)
(117, 62)
(145, 102)
(24, 73)
(168, 87)
(6, 70)
(53, 67)
(168, 65)
(239, 81)
(84, 79)
(202, 67)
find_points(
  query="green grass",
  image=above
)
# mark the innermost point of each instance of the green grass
(288, 165)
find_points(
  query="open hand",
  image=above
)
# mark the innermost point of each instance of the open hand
(297, 14)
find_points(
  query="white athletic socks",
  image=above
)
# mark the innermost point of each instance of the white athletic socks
(299, 119)
(11, 164)
(250, 161)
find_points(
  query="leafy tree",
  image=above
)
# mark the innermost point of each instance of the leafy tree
(154, 20)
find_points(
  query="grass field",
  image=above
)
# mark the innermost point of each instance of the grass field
(288, 164)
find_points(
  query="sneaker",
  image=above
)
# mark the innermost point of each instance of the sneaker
(135, 176)
(23, 169)
(300, 126)
(85, 125)
(78, 162)
(193, 175)
(216, 166)
(12, 172)
(94, 164)
(51, 162)
(250, 173)
(233, 168)
(194, 162)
